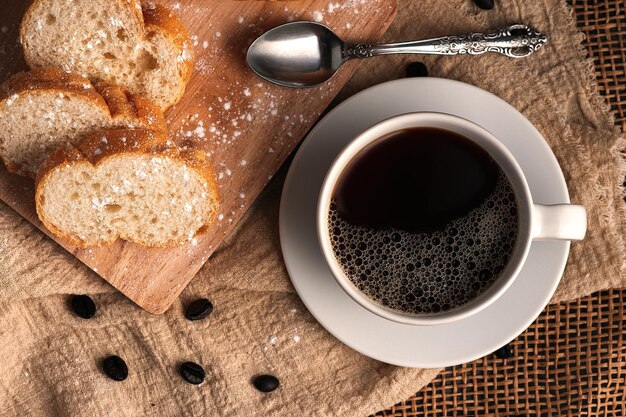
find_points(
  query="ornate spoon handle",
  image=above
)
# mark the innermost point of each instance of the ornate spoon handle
(516, 41)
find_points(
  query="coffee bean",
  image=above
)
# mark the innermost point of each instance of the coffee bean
(416, 69)
(266, 383)
(199, 309)
(484, 4)
(519, 32)
(83, 306)
(192, 372)
(115, 368)
(503, 353)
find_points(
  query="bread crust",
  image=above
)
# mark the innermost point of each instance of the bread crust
(121, 142)
(126, 105)
(49, 79)
(150, 17)
(121, 105)
(159, 18)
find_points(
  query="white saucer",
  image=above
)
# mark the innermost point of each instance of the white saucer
(381, 339)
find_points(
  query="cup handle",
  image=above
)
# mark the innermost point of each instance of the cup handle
(559, 222)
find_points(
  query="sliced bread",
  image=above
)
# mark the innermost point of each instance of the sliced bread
(126, 183)
(43, 109)
(148, 51)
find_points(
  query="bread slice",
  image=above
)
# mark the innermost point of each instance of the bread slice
(44, 109)
(147, 51)
(126, 183)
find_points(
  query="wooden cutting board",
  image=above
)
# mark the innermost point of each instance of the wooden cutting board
(246, 125)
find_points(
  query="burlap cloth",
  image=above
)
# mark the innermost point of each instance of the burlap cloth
(50, 358)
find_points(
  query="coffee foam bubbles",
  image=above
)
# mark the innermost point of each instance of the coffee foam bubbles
(435, 271)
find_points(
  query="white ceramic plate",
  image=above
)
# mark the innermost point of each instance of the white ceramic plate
(402, 344)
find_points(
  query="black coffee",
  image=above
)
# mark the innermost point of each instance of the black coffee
(423, 221)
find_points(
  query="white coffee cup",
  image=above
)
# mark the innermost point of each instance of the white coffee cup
(535, 221)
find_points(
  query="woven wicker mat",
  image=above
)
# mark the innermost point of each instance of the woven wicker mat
(572, 360)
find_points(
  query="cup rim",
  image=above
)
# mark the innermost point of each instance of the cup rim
(522, 244)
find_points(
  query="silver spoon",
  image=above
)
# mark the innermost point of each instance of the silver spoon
(306, 54)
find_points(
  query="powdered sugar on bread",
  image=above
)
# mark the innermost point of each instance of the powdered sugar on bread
(131, 185)
(44, 109)
(146, 51)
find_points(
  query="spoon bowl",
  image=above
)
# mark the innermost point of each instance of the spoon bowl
(297, 54)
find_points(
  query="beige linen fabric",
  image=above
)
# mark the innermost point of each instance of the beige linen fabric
(51, 358)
